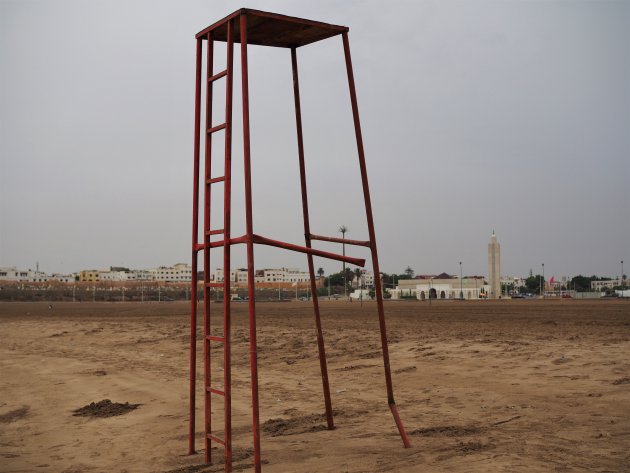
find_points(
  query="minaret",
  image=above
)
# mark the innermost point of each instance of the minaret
(494, 267)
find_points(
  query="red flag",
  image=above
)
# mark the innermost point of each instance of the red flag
(551, 280)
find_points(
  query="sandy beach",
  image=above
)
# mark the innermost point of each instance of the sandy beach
(502, 386)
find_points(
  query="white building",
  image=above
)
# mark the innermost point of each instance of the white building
(116, 276)
(366, 280)
(441, 288)
(236, 275)
(516, 281)
(599, 285)
(13, 274)
(361, 294)
(292, 275)
(65, 278)
(140, 274)
(269, 275)
(178, 273)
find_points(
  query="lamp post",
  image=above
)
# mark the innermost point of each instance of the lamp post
(622, 279)
(461, 283)
(343, 229)
(542, 282)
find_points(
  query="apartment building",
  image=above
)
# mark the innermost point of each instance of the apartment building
(180, 272)
(11, 273)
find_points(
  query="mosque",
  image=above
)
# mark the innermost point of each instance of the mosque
(445, 286)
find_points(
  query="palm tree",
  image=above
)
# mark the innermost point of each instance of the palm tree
(343, 229)
(320, 272)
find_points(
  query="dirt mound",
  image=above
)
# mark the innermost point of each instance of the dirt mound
(105, 408)
(355, 367)
(447, 431)
(295, 425)
(14, 415)
(192, 469)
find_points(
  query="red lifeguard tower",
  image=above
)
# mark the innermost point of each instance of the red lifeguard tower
(247, 26)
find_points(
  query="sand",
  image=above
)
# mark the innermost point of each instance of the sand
(505, 386)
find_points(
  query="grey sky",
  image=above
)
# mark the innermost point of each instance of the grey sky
(512, 116)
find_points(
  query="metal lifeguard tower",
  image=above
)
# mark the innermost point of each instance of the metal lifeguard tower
(247, 26)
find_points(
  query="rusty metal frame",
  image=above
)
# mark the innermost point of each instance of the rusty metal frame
(372, 235)
(307, 234)
(234, 28)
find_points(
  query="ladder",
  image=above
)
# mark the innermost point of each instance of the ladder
(265, 29)
(209, 181)
(208, 233)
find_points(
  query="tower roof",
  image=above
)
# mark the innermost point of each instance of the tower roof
(272, 29)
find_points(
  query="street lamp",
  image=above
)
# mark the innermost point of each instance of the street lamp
(542, 282)
(343, 229)
(622, 279)
(461, 287)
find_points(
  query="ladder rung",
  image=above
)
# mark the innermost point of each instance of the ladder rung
(217, 76)
(214, 284)
(216, 128)
(215, 232)
(216, 439)
(215, 391)
(215, 339)
(215, 179)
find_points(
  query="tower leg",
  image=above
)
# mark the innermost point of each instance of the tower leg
(370, 221)
(307, 236)
(195, 230)
(227, 226)
(253, 357)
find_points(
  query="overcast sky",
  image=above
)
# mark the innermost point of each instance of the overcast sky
(476, 115)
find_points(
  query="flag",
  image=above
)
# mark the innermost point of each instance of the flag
(551, 280)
